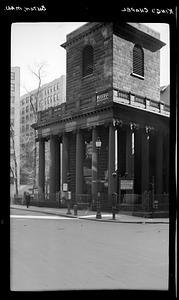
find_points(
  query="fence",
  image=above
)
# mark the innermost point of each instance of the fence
(133, 203)
(83, 201)
(144, 202)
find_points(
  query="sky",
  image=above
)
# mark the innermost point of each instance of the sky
(33, 44)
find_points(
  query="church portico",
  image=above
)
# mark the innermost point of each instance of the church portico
(125, 148)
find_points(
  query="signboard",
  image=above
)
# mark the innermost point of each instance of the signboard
(126, 184)
(45, 131)
(69, 195)
(65, 187)
(102, 97)
(70, 126)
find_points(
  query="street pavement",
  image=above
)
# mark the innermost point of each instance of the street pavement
(60, 252)
(91, 215)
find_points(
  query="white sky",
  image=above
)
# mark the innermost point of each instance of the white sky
(36, 43)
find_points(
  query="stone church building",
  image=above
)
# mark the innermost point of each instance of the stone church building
(112, 133)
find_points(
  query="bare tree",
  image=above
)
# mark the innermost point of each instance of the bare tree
(34, 102)
(26, 160)
(13, 163)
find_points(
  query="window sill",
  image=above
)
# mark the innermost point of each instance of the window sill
(87, 76)
(138, 76)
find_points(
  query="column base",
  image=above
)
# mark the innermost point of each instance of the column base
(52, 197)
(41, 196)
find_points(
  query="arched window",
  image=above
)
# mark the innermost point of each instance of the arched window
(138, 61)
(87, 60)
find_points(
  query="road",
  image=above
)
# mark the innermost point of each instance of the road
(59, 253)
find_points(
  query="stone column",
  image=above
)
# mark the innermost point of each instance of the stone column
(137, 161)
(57, 162)
(111, 162)
(52, 168)
(144, 161)
(41, 185)
(121, 151)
(159, 163)
(64, 158)
(79, 163)
(94, 165)
(129, 152)
(167, 158)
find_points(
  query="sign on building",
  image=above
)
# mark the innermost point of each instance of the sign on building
(126, 184)
(102, 97)
(65, 187)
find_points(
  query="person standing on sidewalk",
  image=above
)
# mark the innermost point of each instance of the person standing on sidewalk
(27, 198)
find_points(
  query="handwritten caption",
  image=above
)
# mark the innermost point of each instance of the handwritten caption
(25, 9)
(145, 10)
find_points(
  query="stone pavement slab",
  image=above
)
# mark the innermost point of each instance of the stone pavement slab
(91, 215)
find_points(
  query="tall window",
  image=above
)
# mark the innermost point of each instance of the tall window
(138, 61)
(87, 60)
(12, 87)
(12, 76)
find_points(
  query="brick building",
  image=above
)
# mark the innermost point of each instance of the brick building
(113, 94)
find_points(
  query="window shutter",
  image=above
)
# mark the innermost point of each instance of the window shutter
(87, 60)
(138, 61)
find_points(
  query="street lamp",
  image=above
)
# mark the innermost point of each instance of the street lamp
(114, 195)
(98, 147)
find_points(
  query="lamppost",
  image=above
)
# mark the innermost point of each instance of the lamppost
(98, 147)
(114, 195)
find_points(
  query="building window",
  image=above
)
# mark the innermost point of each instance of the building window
(87, 60)
(12, 99)
(138, 61)
(12, 87)
(12, 76)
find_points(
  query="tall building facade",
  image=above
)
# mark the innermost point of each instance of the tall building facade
(15, 127)
(50, 95)
(113, 100)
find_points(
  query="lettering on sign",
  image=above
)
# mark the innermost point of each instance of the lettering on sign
(102, 97)
(126, 184)
(65, 187)
(45, 131)
(92, 121)
(70, 126)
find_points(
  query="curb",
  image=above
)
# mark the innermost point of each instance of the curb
(92, 219)
(45, 212)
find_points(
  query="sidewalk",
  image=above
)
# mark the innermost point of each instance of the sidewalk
(91, 215)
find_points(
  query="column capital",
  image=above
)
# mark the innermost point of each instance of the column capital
(55, 137)
(148, 130)
(133, 126)
(118, 124)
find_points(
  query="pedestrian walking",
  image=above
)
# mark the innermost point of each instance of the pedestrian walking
(27, 199)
